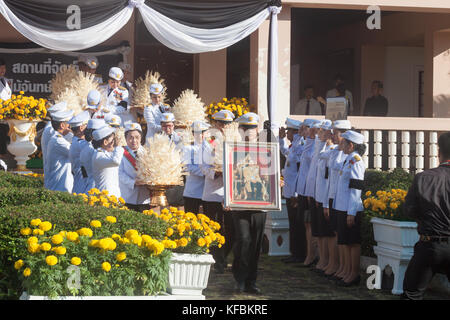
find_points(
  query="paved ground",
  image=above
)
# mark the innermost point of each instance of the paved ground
(281, 281)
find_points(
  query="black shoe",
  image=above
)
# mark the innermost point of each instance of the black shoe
(252, 289)
(352, 283)
(239, 287)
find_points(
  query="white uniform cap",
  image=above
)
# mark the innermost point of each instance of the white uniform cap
(315, 123)
(200, 125)
(353, 136)
(90, 61)
(293, 124)
(96, 124)
(167, 117)
(62, 116)
(102, 132)
(223, 115)
(79, 119)
(248, 119)
(125, 66)
(57, 107)
(342, 124)
(116, 73)
(93, 99)
(308, 122)
(327, 124)
(156, 88)
(129, 126)
(113, 120)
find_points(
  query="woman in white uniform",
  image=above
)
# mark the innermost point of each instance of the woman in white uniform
(106, 160)
(136, 196)
(78, 126)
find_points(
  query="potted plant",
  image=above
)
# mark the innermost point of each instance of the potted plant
(22, 112)
(192, 236)
(395, 233)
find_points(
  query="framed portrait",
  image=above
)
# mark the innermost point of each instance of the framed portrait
(251, 173)
(336, 109)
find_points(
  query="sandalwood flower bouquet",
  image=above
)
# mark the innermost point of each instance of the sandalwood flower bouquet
(188, 232)
(386, 204)
(21, 107)
(238, 106)
(108, 259)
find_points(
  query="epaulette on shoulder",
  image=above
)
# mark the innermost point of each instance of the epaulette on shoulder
(122, 88)
(356, 157)
(332, 148)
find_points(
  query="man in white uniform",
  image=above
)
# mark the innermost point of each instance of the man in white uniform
(59, 168)
(153, 112)
(168, 126)
(78, 126)
(89, 64)
(136, 196)
(116, 95)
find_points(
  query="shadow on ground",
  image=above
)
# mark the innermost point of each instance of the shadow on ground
(280, 281)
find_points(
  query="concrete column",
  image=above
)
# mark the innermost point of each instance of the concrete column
(258, 67)
(441, 76)
(210, 75)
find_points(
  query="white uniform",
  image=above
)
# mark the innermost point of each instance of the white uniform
(305, 161)
(152, 115)
(45, 138)
(351, 177)
(323, 174)
(113, 97)
(5, 90)
(86, 155)
(290, 171)
(131, 193)
(105, 169)
(195, 181)
(213, 189)
(335, 161)
(59, 175)
(310, 188)
(79, 184)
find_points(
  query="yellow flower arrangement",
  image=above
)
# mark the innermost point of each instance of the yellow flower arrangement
(20, 107)
(95, 197)
(238, 106)
(385, 204)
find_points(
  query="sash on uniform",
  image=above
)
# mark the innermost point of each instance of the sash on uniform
(130, 157)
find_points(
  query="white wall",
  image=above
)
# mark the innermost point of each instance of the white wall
(400, 80)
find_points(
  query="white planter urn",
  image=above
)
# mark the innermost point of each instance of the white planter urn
(395, 247)
(188, 274)
(277, 231)
(22, 134)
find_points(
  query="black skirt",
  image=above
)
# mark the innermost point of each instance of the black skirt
(346, 235)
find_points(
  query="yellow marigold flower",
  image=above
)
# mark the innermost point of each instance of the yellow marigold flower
(27, 272)
(63, 234)
(25, 231)
(33, 247)
(60, 250)
(95, 224)
(136, 239)
(115, 236)
(130, 233)
(146, 238)
(121, 256)
(105, 192)
(18, 264)
(169, 244)
(57, 239)
(183, 242)
(393, 205)
(93, 243)
(45, 226)
(51, 260)
(75, 261)
(111, 219)
(85, 232)
(45, 246)
(368, 193)
(121, 200)
(72, 236)
(31, 240)
(106, 266)
(169, 232)
(201, 242)
(38, 232)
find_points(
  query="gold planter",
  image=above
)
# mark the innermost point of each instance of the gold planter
(158, 195)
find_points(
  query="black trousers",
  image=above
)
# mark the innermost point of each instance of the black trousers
(249, 234)
(192, 205)
(138, 207)
(296, 231)
(429, 258)
(214, 211)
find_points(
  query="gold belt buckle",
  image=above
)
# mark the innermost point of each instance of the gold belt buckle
(425, 238)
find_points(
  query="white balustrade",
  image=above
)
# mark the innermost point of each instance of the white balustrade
(365, 157)
(392, 150)
(434, 161)
(377, 149)
(420, 139)
(405, 150)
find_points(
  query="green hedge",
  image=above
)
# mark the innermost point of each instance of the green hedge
(32, 196)
(380, 180)
(11, 180)
(63, 215)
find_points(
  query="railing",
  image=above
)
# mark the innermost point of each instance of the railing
(408, 143)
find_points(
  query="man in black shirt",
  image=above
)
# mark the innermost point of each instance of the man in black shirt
(428, 202)
(376, 105)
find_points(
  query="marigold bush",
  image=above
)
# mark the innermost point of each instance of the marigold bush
(238, 106)
(20, 107)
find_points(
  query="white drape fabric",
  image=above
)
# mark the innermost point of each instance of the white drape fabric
(188, 39)
(71, 40)
(273, 68)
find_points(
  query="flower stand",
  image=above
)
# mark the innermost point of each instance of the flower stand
(395, 247)
(188, 275)
(22, 134)
(277, 231)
